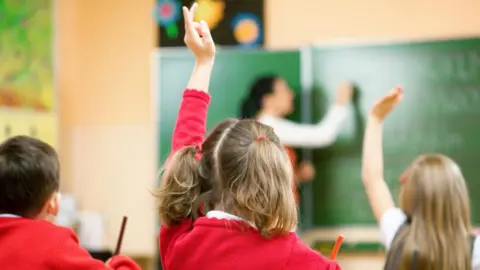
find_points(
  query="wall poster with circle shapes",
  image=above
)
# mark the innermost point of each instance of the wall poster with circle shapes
(232, 22)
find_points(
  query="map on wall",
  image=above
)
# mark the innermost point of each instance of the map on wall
(232, 22)
(27, 94)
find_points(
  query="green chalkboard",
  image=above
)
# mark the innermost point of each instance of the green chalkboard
(440, 113)
(234, 71)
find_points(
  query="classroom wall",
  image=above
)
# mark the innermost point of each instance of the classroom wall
(107, 141)
(294, 23)
(106, 114)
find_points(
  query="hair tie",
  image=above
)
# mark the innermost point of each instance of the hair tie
(198, 152)
(403, 177)
(261, 138)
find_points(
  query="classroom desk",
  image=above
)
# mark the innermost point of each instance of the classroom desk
(361, 261)
(360, 248)
(355, 256)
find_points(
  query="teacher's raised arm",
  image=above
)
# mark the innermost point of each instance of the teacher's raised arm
(270, 100)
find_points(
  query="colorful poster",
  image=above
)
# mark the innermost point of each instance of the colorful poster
(39, 125)
(27, 94)
(233, 23)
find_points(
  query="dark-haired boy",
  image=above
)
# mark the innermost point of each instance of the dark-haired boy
(29, 198)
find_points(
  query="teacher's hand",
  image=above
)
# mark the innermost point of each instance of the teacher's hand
(305, 171)
(344, 93)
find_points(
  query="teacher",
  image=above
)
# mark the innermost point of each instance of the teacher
(270, 99)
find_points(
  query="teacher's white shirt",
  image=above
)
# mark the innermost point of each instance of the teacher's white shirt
(321, 134)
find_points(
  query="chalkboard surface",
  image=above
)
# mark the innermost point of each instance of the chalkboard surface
(231, 78)
(440, 113)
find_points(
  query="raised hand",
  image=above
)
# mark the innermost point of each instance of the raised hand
(198, 37)
(386, 104)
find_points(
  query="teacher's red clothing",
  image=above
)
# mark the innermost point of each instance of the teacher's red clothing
(292, 155)
(29, 244)
(223, 244)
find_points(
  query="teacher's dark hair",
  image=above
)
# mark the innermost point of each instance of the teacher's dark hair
(252, 104)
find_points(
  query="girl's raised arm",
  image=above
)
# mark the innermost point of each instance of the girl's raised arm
(191, 122)
(377, 190)
(179, 186)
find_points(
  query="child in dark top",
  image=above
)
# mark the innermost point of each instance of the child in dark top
(29, 198)
(241, 174)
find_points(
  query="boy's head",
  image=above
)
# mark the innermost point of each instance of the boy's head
(29, 178)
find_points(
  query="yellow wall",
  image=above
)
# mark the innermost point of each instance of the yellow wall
(106, 111)
(106, 129)
(295, 23)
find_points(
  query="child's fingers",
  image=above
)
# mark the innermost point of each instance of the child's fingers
(398, 91)
(193, 9)
(388, 98)
(197, 27)
(395, 91)
(399, 97)
(188, 22)
(393, 94)
(398, 94)
(186, 16)
(207, 36)
(191, 27)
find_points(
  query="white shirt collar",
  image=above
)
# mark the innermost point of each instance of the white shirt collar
(9, 216)
(222, 215)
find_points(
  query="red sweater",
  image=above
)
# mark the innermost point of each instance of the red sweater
(219, 243)
(28, 244)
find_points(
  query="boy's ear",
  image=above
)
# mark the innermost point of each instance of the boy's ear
(54, 204)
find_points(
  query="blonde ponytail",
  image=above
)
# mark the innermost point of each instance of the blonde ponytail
(179, 187)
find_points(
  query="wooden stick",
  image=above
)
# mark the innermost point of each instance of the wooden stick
(120, 236)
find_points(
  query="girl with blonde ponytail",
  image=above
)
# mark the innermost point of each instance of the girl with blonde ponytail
(227, 202)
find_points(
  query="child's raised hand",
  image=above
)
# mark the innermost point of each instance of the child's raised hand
(386, 104)
(198, 37)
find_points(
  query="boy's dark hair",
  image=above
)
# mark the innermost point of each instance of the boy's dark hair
(29, 175)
